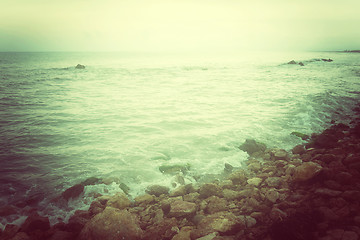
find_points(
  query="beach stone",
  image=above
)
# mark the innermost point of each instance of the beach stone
(62, 235)
(144, 199)
(306, 171)
(119, 201)
(210, 189)
(225, 223)
(238, 177)
(279, 154)
(327, 192)
(184, 233)
(181, 208)
(272, 195)
(73, 192)
(20, 236)
(165, 229)
(256, 181)
(273, 182)
(157, 190)
(349, 235)
(35, 222)
(112, 224)
(298, 149)
(215, 204)
(251, 146)
(79, 66)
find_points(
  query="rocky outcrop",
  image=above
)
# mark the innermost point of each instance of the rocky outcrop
(112, 224)
(79, 66)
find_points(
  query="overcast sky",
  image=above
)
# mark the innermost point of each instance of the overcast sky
(178, 25)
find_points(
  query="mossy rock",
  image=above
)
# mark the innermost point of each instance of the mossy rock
(174, 169)
(301, 135)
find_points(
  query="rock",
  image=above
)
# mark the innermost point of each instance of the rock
(181, 208)
(326, 60)
(256, 181)
(210, 189)
(301, 135)
(144, 199)
(273, 182)
(215, 204)
(96, 207)
(191, 197)
(179, 191)
(228, 168)
(238, 177)
(210, 236)
(174, 169)
(301, 64)
(157, 190)
(251, 146)
(91, 181)
(165, 229)
(232, 195)
(349, 235)
(119, 201)
(73, 192)
(10, 231)
(112, 224)
(292, 62)
(272, 195)
(306, 171)
(35, 222)
(279, 154)
(226, 223)
(62, 235)
(184, 234)
(298, 149)
(327, 192)
(79, 66)
(78, 221)
(254, 166)
(125, 188)
(21, 236)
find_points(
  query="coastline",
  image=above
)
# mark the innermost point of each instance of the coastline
(309, 193)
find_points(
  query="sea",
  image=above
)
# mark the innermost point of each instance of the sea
(127, 114)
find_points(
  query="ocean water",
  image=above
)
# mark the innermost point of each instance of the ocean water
(125, 115)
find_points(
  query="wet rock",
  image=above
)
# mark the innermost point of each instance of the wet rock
(144, 199)
(73, 192)
(301, 135)
(279, 154)
(78, 221)
(63, 235)
(251, 146)
(119, 201)
(254, 166)
(79, 66)
(191, 197)
(272, 195)
(232, 195)
(184, 233)
(211, 236)
(174, 169)
(165, 229)
(225, 223)
(96, 207)
(292, 62)
(274, 182)
(179, 191)
(298, 149)
(215, 204)
(238, 177)
(21, 236)
(306, 171)
(181, 208)
(256, 181)
(157, 190)
(327, 192)
(228, 168)
(111, 224)
(10, 231)
(210, 189)
(35, 222)
(91, 181)
(301, 64)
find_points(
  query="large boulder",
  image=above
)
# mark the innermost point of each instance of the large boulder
(73, 192)
(251, 146)
(119, 201)
(306, 171)
(112, 224)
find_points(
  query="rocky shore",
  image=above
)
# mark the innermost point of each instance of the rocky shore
(310, 193)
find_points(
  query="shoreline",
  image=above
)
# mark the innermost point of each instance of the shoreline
(309, 193)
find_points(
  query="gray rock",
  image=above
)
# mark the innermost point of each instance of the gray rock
(157, 190)
(251, 146)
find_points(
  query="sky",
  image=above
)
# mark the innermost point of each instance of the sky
(179, 25)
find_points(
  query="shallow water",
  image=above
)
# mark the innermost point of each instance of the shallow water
(127, 114)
